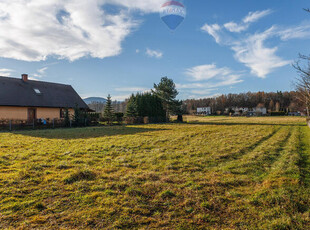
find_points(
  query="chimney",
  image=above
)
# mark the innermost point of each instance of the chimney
(25, 77)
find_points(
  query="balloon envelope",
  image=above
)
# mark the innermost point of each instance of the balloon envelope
(173, 13)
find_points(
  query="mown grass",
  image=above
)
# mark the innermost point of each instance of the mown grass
(209, 173)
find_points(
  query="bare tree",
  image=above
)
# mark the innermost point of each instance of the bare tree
(303, 81)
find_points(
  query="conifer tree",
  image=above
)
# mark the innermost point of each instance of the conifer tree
(108, 113)
(132, 108)
(167, 92)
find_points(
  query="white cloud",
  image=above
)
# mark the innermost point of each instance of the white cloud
(251, 49)
(35, 77)
(146, 6)
(131, 89)
(201, 92)
(42, 70)
(69, 29)
(6, 72)
(220, 82)
(121, 97)
(39, 74)
(244, 25)
(213, 30)
(255, 16)
(202, 96)
(207, 79)
(295, 32)
(254, 54)
(154, 53)
(234, 27)
(206, 72)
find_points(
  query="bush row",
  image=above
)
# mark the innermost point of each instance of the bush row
(120, 118)
(281, 113)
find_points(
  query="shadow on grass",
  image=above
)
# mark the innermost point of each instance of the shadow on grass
(245, 123)
(86, 133)
(304, 161)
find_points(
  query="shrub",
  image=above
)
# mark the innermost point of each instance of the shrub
(81, 118)
(66, 117)
(281, 113)
(119, 117)
(93, 117)
(134, 120)
(160, 119)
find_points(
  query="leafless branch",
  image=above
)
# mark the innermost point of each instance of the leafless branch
(304, 57)
(302, 84)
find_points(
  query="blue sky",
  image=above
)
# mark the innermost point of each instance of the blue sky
(119, 47)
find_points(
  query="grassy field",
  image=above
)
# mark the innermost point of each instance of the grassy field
(209, 173)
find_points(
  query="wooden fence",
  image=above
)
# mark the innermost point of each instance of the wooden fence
(13, 125)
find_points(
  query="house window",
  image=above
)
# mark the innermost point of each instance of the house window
(37, 91)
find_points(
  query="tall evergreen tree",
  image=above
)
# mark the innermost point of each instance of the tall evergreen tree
(108, 113)
(132, 108)
(167, 92)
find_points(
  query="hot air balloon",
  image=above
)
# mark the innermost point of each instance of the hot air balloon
(172, 13)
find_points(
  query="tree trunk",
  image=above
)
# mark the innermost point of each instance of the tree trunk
(180, 118)
(307, 107)
(167, 114)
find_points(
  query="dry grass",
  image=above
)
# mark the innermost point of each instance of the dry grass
(215, 172)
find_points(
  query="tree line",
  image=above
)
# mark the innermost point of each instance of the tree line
(272, 101)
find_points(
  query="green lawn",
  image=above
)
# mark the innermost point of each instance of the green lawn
(209, 173)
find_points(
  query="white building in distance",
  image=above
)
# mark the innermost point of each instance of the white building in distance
(260, 110)
(204, 110)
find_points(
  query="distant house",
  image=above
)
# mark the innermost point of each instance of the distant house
(240, 110)
(204, 110)
(247, 111)
(24, 99)
(260, 110)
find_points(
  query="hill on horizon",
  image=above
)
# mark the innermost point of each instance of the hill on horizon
(90, 100)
